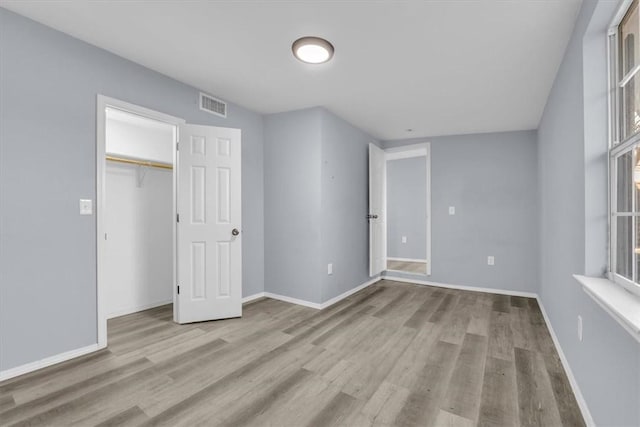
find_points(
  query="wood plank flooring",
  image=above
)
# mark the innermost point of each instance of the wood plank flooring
(391, 354)
(407, 266)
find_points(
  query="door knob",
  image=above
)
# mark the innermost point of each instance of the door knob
(235, 232)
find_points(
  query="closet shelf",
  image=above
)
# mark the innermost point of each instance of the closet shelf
(140, 162)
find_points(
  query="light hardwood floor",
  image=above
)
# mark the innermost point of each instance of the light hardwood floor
(391, 354)
(407, 266)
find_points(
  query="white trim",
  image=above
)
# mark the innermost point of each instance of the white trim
(350, 292)
(252, 297)
(406, 152)
(406, 259)
(315, 305)
(631, 74)
(102, 102)
(617, 18)
(47, 361)
(582, 403)
(460, 287)
(138, 308)
(293, 300)
(623, 306)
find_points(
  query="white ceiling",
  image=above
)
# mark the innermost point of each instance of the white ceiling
(438, 67)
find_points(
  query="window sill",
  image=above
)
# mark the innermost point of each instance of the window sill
(622, 305)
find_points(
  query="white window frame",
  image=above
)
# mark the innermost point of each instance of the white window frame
(618, 147)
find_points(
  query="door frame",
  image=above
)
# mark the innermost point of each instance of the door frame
(102, 102)
(406, 152)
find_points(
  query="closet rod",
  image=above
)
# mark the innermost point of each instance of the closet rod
(139, 162)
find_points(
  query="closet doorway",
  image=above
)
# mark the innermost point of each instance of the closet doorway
(168, 216)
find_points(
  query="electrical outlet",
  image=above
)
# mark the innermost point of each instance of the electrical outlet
(579, 327)
(404, 239)
(491, 260)
(86, 207)
(329, 269)
(452, 210)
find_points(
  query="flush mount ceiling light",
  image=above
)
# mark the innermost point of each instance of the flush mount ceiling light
(312, 50)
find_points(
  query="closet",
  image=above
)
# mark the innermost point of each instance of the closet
(139, 218)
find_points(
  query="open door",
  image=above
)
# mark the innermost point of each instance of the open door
(209, 252)
(377, 211)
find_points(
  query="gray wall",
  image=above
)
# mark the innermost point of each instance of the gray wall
(491, 179)
(407, 208)
(316, 202)
(344, 205)
(572, 159)
(292, 204)
(49, 82)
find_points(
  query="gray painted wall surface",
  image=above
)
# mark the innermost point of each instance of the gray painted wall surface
(49, 83)
(316, 201)
(491, 179)
(572, 159)
(292, 204)
(344, 205)
(407, 208)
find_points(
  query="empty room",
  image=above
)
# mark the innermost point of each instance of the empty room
(320, 213)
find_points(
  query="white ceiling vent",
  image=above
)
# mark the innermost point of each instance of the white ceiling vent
(213, 105)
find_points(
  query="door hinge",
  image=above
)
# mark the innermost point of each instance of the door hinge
(178, 289)
(177, 146)
(177, 217)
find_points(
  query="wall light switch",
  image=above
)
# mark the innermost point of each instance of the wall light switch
(452, 210)
(404, 239)
(86, 207)
(491, 260)
(329, 269)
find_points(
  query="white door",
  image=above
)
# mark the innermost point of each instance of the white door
(377, 211)
(209, 252)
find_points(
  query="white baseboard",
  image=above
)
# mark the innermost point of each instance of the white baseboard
(136, 309)
(349, 292)
(462, 288)
(325, 304)
(48, 361)
(252, 297)
(582, 403)
(406, 259)
(293, 300)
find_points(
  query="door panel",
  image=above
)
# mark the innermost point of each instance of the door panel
(209, 255)
(377, 211)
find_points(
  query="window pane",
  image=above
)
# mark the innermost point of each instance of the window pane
(635, 177)
(636, 249)
(613, 89)
(630, 94)
(623, 247)
(629, 54)
(623, 185)
(629, 47)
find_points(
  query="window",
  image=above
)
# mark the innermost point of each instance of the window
(624, 151)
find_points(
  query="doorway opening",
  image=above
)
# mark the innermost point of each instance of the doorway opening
(136, 210)
(168, 217)
(400, 209)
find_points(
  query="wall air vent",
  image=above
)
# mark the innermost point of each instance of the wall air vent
(213, 105)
